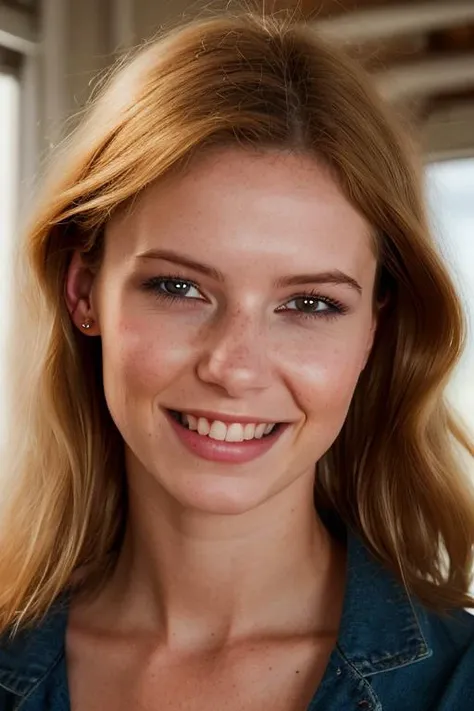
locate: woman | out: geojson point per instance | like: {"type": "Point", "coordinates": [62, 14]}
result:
{"type": "Point", "coordinates": [233, 479]}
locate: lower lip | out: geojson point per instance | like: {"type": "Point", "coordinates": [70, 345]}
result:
{"type": "Point", "coordinates": [217, 451]}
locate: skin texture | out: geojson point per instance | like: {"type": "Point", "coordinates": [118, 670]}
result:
{"type": "Point", "coordinates": [209, 543]}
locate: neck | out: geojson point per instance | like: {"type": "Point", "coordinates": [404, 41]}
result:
{"type": "Point", "coordinates": [197, 578]}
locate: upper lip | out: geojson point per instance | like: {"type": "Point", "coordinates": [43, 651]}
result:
{"type": "Point", "coordinates": [221, 417]}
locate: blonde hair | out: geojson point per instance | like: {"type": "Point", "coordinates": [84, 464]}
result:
{"type": "Point", "coordinates": [395, 474]}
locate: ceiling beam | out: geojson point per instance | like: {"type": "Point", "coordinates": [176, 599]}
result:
{"type": "Point", "coordinates": [391, 21]}
{"type": "Point", "coordinates": [448, 133]}
{"type": "Point", "coordinates": [428, 76]}
{"type": "Point", "coordinates": [17, 31]}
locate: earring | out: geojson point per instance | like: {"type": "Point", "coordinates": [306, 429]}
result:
{"type": "Point", "coordinates": [87, 324]}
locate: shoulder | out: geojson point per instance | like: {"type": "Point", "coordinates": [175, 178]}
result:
{"type": "Point", "coordinates": [30, 662]}
{"type": "Point", "coordinates": [399, 647]}
{"type": "Point", "coordinates": [451, 639]}
{"type": "Point", "coordinates": [444, 678]}
{"type": "Point", "coordinates": [453, 632]}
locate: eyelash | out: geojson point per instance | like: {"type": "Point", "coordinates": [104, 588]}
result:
{"type": "Point", "coordinates": [336, 308]}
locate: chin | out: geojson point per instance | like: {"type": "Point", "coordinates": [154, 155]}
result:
{"type": "Point", "coordinates": [226, 499]}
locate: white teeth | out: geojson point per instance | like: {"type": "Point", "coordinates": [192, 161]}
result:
{"type": "Point", "coordinates": [249, 431]}
{"type": "Point", "coordinates": [259, 430]}
{"type": "Point", "coordinates": [218, 430]}
{"type": "Point", "coordinates": [234, 432]}
{"type": "Point", "coordinates": [191, 421]}
{"type": "Point", "coordinates": [203, 426]}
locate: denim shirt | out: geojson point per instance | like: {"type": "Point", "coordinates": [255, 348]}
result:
{"type": "Point", "coordinates": [391, 653]}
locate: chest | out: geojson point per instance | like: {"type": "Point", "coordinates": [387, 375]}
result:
{"type": "Point", "coordinates": [279, 676]}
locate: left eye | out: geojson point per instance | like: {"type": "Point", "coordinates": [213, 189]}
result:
{"type": "Point", "coordinates": [308, 305]}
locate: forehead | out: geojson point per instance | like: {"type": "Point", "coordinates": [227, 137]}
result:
{"type": "Point", "coordinates": [232, 204]}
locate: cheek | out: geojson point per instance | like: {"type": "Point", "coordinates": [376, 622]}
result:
{"type": "Point", "coordinates": [142, 354]}
{"type": "Point", "coordinates": [323, 374]}
{"type": "Point", "coordinates": [329, 384]}
{"type": "Point", "coordinates": [323, 387]}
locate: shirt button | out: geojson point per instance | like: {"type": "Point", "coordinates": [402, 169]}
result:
{"type": "Point", "coordinates": [338, 671]}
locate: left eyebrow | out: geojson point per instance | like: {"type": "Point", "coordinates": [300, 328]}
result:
{"type": "Point", "coordinates": [332, 277]}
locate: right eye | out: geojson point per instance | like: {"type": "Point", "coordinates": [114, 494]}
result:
{"type": "Point", "coordinates": [172, 288]}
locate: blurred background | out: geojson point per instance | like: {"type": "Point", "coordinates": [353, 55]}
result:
{"type": "Point", "coordinates": [421, 53]}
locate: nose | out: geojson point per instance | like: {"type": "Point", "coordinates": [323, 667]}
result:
{"type": "Point", "coordinates": [235, 357]}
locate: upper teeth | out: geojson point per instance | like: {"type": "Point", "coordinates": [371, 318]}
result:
{"type": "Point", "coordinates": [231, 432]}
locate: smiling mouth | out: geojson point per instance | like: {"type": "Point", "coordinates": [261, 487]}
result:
{"type": "Point", "coordinates": [225, 431]}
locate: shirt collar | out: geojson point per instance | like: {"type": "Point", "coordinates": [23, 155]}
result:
{"type": "Point", "coordinates": [381, 628]}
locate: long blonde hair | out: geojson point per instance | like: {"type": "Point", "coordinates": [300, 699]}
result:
{"type": "Point", "coordinates": [395, 474]}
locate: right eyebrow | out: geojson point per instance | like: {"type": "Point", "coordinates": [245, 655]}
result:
{"type": "Point", "coordinates": [176, 258]}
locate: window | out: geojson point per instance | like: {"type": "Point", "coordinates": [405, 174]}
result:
{"type": "Point", "coordinates": [451, 196]}
{"type": "Point", "coordinates": [9, 141]}
{"type": "Point", "coordinates": [9, 180]}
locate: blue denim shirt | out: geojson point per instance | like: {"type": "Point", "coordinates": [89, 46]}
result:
{"type": "Point", "coordinates": [391, 653]}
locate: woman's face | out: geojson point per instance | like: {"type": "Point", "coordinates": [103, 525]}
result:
{"type": "Point", "coordinates": [236, 294]}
